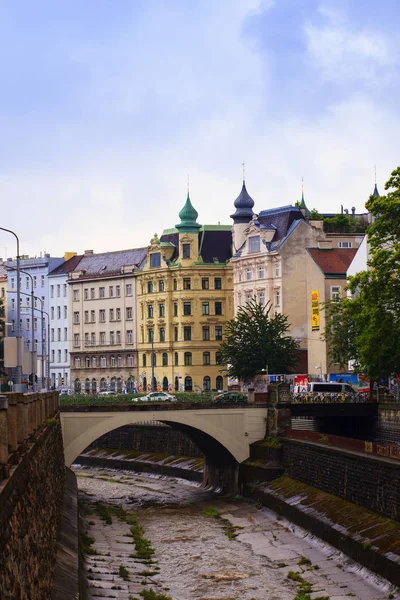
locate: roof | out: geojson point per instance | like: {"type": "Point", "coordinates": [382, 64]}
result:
{"type": "Point", "coordinates": [188, 216]}
{"type": "Point", "coordinates": [282, 219]}
{"type": "Point", "coordinates": [110, 263]}
{"type": "Point", "coordinates": [3, 271]}
{"type": "Point", "coordinates": [215, 243]}
{"type": "Point", "coordinates": [333, 261]}
{"type": "Point", "coordinates": [67, 266]}
{"type": "Point", "coordinates": [244, 206]}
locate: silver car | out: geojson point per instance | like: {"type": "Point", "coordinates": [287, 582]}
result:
{"type": "Point", "coordinates": [156, 397]}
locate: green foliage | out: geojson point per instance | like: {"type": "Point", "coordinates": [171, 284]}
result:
{"type": "Point", "coordinates": [366, 327]}
{"type": "Point", "coordinates": [123, 572]}
{"type": "Point", "coordinates": [254, 339]}
{"type": "Point", "coordinates": [211, 511]}
{"type": "Point", "coordinates": [315, 215]}
{"type": "Point", "coordinates": [143, 546]}
{"type": "Point", "coordinates": [342, 223]}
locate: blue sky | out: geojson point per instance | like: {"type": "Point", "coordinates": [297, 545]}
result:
{"type": "Point", "coordinates": [107, 105]}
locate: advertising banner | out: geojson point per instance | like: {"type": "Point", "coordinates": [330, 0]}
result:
{"type": "Point", "coordinates": [315, 316]}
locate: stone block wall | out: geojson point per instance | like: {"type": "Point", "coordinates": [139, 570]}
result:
{"type": "Point", "coordinates": [371, 482]}
{"type": "Point", "coordinates": [149, 438]}
{"type": "Point", "coordinates": [30, 510]}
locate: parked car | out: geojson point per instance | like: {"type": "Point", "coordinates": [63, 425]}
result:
{"type": "Point", "coordinates": [230, 397]}
{"type": "Point", "coordinates": [107, 393]}
{"type": "Point", "coordinates": [156, 397]}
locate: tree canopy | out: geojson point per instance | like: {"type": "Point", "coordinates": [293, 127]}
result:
{"type": "Point", "coordinates": [366, 326]}
{"type": "Point", "coordinates": [255, 340]}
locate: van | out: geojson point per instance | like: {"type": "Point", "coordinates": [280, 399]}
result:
{"type": "Point", "coordinates": [331, 387]}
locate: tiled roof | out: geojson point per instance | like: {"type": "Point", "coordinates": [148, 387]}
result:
{"type": "Point", "coordinates": [281, 218]}
{"type": "Point", "coordinates": [67, 266]}
{"type": "Point", "coordinates": [333, 261]}
{"type": "Point", "coordinates": [110, 263]}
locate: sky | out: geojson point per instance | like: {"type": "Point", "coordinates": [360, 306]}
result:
{"type": "Point", "coordinates": [107, 106]}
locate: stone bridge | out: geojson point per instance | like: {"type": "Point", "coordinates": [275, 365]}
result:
{"type": "Point", "coordinates": [222, 433]}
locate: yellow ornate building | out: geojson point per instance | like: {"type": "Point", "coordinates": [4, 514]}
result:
{"type": "Point", "coordinates": [185, 296]}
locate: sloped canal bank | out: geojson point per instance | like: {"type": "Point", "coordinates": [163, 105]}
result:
{"type": "Point", "coordinates": [202, 546]}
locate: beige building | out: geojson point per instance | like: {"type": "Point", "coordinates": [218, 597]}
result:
{"type": "Point", "coordinates": [270, 263]}
{"type": "Point", "coordinates": [185, 296]}
{"type": "Point", "coordinates": [103, 321]}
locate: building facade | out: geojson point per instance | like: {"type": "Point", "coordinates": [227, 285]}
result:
{"type": "Point", "coordinates": [185, 297]}
{"type": "Point", "coordinates": [103, 321]}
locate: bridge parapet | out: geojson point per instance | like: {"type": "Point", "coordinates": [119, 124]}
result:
{"type": "Point", "coordinates": [21, 417]}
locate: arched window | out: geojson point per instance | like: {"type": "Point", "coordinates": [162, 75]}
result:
{"type": "Point", "coordinates": [177, 384]}
{"type": "Point", "coordinates": [77, 385]}
{"type": "Point", "coordinates": [206, 358]}
{"type": "Point", "coordinates": [77, 362]}
{"type": "Point", "coordinates": [145, 384]}
{"type": "Point", "coordinates": [188, 384]}
{"type": "Point", "coordinates": [119, 384]}
{"type": "Point", "coordinates": [103, 384]}
{"type": "Point", "coordinates": [176, 359]}
{"type": "Point", "coordinates": [94, 386]}
{"type": "Point", "coordinates": [94, 362]}
{"type": "Point", "coordinates": [188, 358]}
{"type": "Point", "coordinates": [112, 361]}
{"type": "Point", "coordinates": [165, 359]}
{"type": "Point", "coordinates": [87, 362]}
{"type": "Point", "coordinates": [206, 384]}
{"type": "Point", "coordinates": [219, 383]}
{"type": "Point", "coordinates": [87, 385]}
{"type": "Point", "coordinates": [144, 360]}
{"type": "Point", "coordinates": [129, 360]}
{"type": "Point", "coordinates": [165, 384]}
{"type": "Point", "coordinates": [112, 384]}
{"type": "Point", "coordinates": [119, 360]}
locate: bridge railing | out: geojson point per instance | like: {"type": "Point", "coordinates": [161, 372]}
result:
{"type": "Point", "coordinates": [22, 416]}
{"type": "Point", "coordinates": [329, 398]}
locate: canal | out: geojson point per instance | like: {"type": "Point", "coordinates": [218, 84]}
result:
{"type": "Point", "coordinates": [159, 538]}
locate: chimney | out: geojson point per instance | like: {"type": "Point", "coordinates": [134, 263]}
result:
{"type": "Point", "coordinates": [353, 212]}
{"type": "Point", "coordinates": [87, 252]}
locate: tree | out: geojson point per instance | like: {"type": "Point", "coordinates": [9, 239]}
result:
{"type": "Point", "coordinates": [255, 340]}
{"type": "Point", "coordinates": [315, 215]}
{"type": "Point", "coordinates": [366, 327]}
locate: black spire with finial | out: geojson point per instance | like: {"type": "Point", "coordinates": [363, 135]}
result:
{"type": "Point", "coordinates": [243, 204]}
{"type": "Point", "coordinates": [376, 194]}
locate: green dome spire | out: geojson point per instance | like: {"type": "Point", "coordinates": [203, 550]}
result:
{"type": "Point", "coordinates": [188, 217]}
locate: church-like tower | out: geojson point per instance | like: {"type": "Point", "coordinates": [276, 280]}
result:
{"type": "Point", "coordinates": [241, 217]}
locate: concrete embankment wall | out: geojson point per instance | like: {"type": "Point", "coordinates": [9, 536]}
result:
{"type": "Point", "coordinates": [30, 513]}
{"type": "Point", "coordinates": [371, 482]}
{"type": "Point", "coordinates": [149, 438]}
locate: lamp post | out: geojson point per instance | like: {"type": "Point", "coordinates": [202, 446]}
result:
{"type": "Point", "coordinates": [152, 361]}
{"type": "Point", "coordinates": [19, 364]}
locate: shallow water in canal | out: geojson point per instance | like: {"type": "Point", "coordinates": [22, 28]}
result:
{"type": "Point", "coordinates": [206, 547]}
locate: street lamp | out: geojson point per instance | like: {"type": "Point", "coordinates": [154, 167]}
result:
{"type": "Point", "coordinates": [19, 364]}
{"type": "Point", "coordinates": [152, 361]}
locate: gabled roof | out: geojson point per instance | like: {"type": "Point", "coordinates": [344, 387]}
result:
{"type": "Point", "coordinates": [215, 242]}
{"type": "Point", "coordinates": [333, 261]}
{"type": "Point", "coordinates": [281, 218]}
{"type": "Point", "coordinates": [110, 263]}
{"type": "Point", "coordinates": [67, 266]}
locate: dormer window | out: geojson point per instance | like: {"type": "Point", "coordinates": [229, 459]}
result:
{"type": "Point", "coordinates": [186, 250]}
{"type": "Point", "coordinates": [254, 243]}
{"type": "Point", "coordinates": [155, 260]}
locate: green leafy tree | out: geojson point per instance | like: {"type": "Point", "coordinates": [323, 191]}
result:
{"type": "Point", "coordinates": [254, 340]}
{"type": "Point", "coordinates": [315, 215]}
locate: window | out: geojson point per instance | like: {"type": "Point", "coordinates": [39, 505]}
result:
{"type": "Point", "coordinates": [102, 315]}
{"type": "Point", "coordinates": [36, 344]}
{"type": "Point", "coordinates": [218, 358]}
{"type": "Point", "coordinates": [52, 335]}
{"type": "Point", "coordinates": [175, 284]}
{"type": "Point", "coordinates": [155, 260]}
{"type": "Point", "coordinates": [188, 358]}
{"type": "Point", "coordinates": [150, 335]}
{"type": "Point", "coordinates": [186, 250]}
{"type": "Point", "coordinates": [336, 292]}
{"type": "Point", "coordinates": [128, 289]}
{"type": "Point", "coordinates": [161, 285]}
{"type": "Point", "coordinates": [87, 362]}
{"type": "Point", "coordinates": [345, 244]}
{"type": "Point", "coordinates": [92, 293]}
{"type": "Point", "coordinates": [249, 274]}
{"type": "Point", "coordinates": [118, 291]}
{"type": "Point", "coordinates": [65, 290]}
{"type": "Point", "coordinates": [218, 332]}
{"type": "Point", "coordinates": [102, 292]}
{"type": "Point", "coordinates": [205, 283]}
{"type": "Point", "coordinates": [149, 311]}
{"type": "Point", "coordinates": [93, 339]}
{"type": "Point", "coordinates": [58, 290]}
{"type": "Point", "coordinates": [176, 358]}
{"type": "Point", "coordinates": [111, 291]}
{"type": "Point", "coordinates": [28, 301]}
{"type": "Point", "coordinates": [59, 356]}
{"type": "Point", "coordinates": [149, 287]}
{"type": "Point", "coordinates": [162, 334]}
{"type": "Point", "coordinates": [65, 312]}
{"type": "Point", "coordinates": [187, 333]}
{"type": "Point", "coordinates": [206, 358]}
{"type": "Point", "coordinates": [218, 308]}
{"type": "Point", "coordinates": [52, 356]}
{"type": "Point", "coordinates": [12, 283]}
{"type": "Point", "coordinates": [261, 272]}
{"type": "Point", "coordinates": [28, 344]}
{"type": "Point", "coordinates": [144, 360]}
{"type": "Point", "coordinates": [277, 270]}
{"type": "Point", "coordinates": [42, 281]}
{"type": "Point", "coordinates": [76, 339]}
{"type": "Point", "coordinates": [59, 334]}
{"type": "Point", "coordinates": [219, 383]}
{"type": "Point", "coordinates": [205, 308]}
{"type": "Point", "coordinates": [51, 289]}
{"type": "Point", "coordinates": [58, 312]}
{"type": "Point", "coordinates": [52, 312]}
{"type": "Point", "coordinates": [77, 363]}
{"type": "Point", "coordinates": [13, 325]}
{"type": "Point", "coordinates": [118, 337]}
{"type": "Point", "coordinates": [76, 295]}
{"type": "Point", "coordinates": [111, 314]}
{"type": "Point", "coordinates": [76, 318]}
{"type": "Point", "coordinates": [165, 359]}
{"type": "Point", "coordinates": [87, 341]}
{"type": "Point", "coordinates": [206, 333]}
{"type": "Point", "coordinates": [175, 309]}
{"type": "Point", "coordinates": [102, 338]}
{"type": "Point", "coordinates": [161, 310]}
{"type": "Point", "coordinates": [261, 298]}
{"type": "Point", "coordinates": [129, 312]}
{"type": "Point", "coordinates": [103, 361]}
{"type": "Point", "coordinates": [249, 298]}
{"type": "Point", "coordinates": [129, 360]}
{"type": "Point", "coordinates": [206, 384]}
{"type": "Point", "coordinates": [28, 324]}
{"type": "Point", "coordinates": [277, 298]}
{"type": "Point", "coordinates": [129, 339]}
{"type": "Point", "coordinates": [65, 334]}
{"type": "Point", "coordinates": [112, 338]}
{"type": "Point", "coordinates": [65, 355]}
{"type": "Point", "coordinates": [13, 304]}
{"type": "Point", "coordinates": [92, 316]}
{"type": "Point", "coordinates": [187, 309]}
{"type": "Point", "coordinates": [176, 334]}
{"type": "Point", "coordinates": [217, 283]}
{"type": "Point", "coordinates": [86, 293]}
{"type": "Point", "coordinates": [186, 283]}
{"type": "Point", "coordinates": [254, 243]}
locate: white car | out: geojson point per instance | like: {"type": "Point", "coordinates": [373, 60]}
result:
{"type": "Point", "coordinates": [156, 397]}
